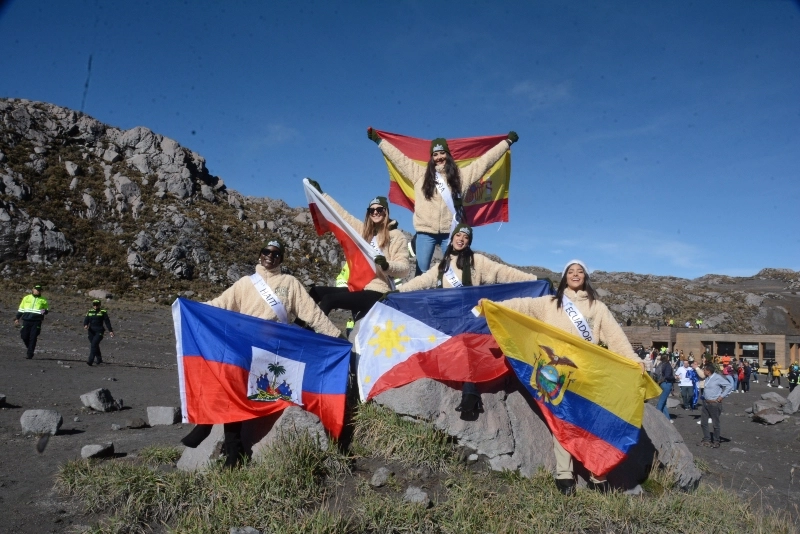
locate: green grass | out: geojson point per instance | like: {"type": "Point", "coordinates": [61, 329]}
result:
{"type": "Point", "coordinates": [299, 488]}
{"type": "Point", "coordinates": [160, 455]}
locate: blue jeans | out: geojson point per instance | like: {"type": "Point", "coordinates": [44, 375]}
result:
{"type": "Point", "coordinates": [666, 389]}
{"type": "Point", "coordinates": [426, 243]}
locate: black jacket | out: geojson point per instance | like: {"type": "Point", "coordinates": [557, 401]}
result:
{"type": "Point", "coordinates": [96, 319]}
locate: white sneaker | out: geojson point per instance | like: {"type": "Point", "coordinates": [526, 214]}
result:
{"type": "Point", "coordinates": [710, 421]}
{"type": "Point", "coordinates": [671, 421]}
{"type": "Point", "coordinates": [780, 387]}
{"type": "Point", "coordinates": [699, 423]}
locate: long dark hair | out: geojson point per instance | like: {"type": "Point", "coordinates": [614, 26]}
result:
{"type": "Point", "coordinates": [450, 172]}
{"type": "Point", "coordinates": [563, 285]}
{"type": "Point", "coordinates": [465, 259]}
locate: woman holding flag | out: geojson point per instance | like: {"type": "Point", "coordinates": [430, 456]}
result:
{"type": "Point", "coordinates": [439, 188]}
{"type": "Point", "coordinates": [391, 258]}
{"type": "Point", "coordinates": [271, 295]}
{"type": "Point", "coordinates": [575, 309]}
{"type": "Point", "coordinates": [461, 267]}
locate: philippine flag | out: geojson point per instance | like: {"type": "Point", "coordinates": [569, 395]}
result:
{"type": "Point", "coordinates": [235, 367]}
{"type": "Point", "coordinates": [357, 252]}
{"type": "Point", "coordinates": [432, 334]}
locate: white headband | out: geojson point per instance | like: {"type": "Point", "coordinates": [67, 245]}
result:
{"type": "Point", "coordinates": [572, 262]}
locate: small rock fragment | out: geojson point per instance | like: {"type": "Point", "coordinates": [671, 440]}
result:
{"type": "Point", "coordinates": [97, 451]}
{"type": "Point", "coordinates": [380, 477]}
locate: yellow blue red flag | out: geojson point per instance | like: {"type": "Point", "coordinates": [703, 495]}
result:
{"type": "Point", "coordinates": [591, 398]}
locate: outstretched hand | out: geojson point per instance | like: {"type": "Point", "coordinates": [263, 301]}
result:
{"type": "Point", "coordinates": [315, 185]}
{"type": "Point", "coordinates": [373, 135]}
{"type": "Point", "coordinates": [513, 137]}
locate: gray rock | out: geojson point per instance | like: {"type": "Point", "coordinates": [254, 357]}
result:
{"type": "Point", "coordinates": [530, 434]}
{"type": "Point", "coordinates": [72, 168]}
{"type": "Point", "coordinates": [761, 405]}
{"type": "Point", "coordinates": [772, 396]}
{"type": "Point", "coordinates": [99, 294]}
{"type": "Point", "coordinates": [97, 451]}
{"type": "Point", "coordinates": [302, 218]}
{"type": "Point", "coordinates": [672, 402]}
{"type": "Point", "coordinates": [111, 156]}
{"type": "Point", "coordinates": [636, 490]}
{"type": "Point", "coordinates": [163, 415]}
{"type": "Point", "coordinates": [792, 402]}
{"type": "Point", "coordinates": [380, 477]}
{"type": "Point", "coordinates": [199, 458]}
{"type": "Point", "coordinates": [136, 422]}
{"type": "Point", "coordinates": [769, 417]}
{"type": "Point", "coordinates": [115, 426]}
{"type": "Point", "coordinates": [260, 434]}
{"type": "Point", "coordinates": [99, 400]}
{"type": "Point", "coordinates": [207, 193]}
{"type": "Point", "coordinates": [654, 310]}
{"type": "Point", "coordinates": [753, 300]}
{"type": "Point", "coordinates": [671, 448]}
{"type": "Point", "coordinates": [416, 495]}
{"type": "Point", "coordinates": [41, 422]}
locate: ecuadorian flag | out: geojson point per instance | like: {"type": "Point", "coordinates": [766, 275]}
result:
{"type": "Point", "coordinates": [592, 399]}
{"type": "Point", "coordinates": [485, 202]}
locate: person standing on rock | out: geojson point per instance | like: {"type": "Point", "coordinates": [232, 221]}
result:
{"type": "Point", "coordinates": [391, 258]}
{"type": "Point", "coordinates": [461, 267]}
{"type": "Point", "coordinates": [31, 312]}
{"type": "Point", "coordinates": [576, 293]}
{"type": "Point", "coordinates": [717, 388]}
{"type": "Point", "coordinates": [439, 189]}
{"type": "Point", "coordinates": [273, 296]}
{"type": "Point", "coordinates": [95, 323]}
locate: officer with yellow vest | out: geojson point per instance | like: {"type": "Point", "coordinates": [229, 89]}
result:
{"type": "Point", "coordinates": [31, 311]}
{"type": "Point", "coordinates": [95, 324]}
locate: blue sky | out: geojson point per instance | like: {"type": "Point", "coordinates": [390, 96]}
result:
{"type": "Point", "coordinates": [655, 137]}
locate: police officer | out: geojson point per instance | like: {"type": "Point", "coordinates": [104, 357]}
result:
{"type": "Point", "coordinates": [94, 323]}
{"type": "Point", "coordinates": [32, 310]}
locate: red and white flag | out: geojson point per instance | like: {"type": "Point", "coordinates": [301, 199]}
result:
{"type": "Point", "coordinates": [357, 252]}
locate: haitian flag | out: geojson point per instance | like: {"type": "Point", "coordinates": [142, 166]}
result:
{"type": "Point", "coordinates": [357, 252]}
{"type": "Point", "coordinates": [485, 202]}
{"type": "Point", "coordinates": [591, 398]}
{"type": "Point", "coordinates": [235, 367]}
{"type": "Point", "coordinates": [432, 334]}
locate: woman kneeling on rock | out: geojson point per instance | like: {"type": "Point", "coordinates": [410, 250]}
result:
{"type": "Point", "coordinates": [271, 295]}
{"type": "Point", "coordinates": [575, 292]}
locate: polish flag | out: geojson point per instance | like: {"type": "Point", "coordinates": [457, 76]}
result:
{"type": "Point", "coordinates": [357, 252]}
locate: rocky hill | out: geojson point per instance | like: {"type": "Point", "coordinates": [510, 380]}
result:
{"type": "Point", "coordinates": [84, 205]}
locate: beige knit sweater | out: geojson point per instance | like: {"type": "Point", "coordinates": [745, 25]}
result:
{"type": "Point", "coordinates": [396, 255]}
{"type": "Point", "coordinates": [604, 326]}
{"type": "Point", "coordinates": [432, 216]}
{"type": "Point", "coordinates": [485, 272]}
{"type": "Point", "coordinates": [243, 297]}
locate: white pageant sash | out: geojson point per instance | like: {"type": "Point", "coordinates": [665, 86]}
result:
{"type": "Point", "coordinates": [270, 297]}
{"type": "Point", "coordinates": [577, 318]}
{"type": "Point", "coordinates": [452, 278]}
{"type": "Point", "coordinates": [375, 247]}
{"type": "Point", "coordinates": [447, 196]}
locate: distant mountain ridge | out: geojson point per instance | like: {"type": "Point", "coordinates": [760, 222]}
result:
{"type": "Point", "coordinates": [86, 205]}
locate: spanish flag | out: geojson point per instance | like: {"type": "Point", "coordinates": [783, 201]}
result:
{"type": "Point", "coordinates": [591, 398]}
{"type": "Point", "coordinates": [485, 202]}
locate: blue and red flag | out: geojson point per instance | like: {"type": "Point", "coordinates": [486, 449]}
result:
{"type": "Point", "coordinates": [433, 334]}
{"type": "Point", "coordinates": [235, 367]}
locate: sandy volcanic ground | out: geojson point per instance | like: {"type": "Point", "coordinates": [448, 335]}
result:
{"type": "Point", "coordinates": [756, 462]}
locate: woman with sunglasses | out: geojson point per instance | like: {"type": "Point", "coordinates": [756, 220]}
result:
{"type": "Point", "coordinates": [576, 294]}
{"type": "Point", "coordinates": [438, 189]}
{"type": "Point", "coordinates": [273, 296]}
{"type": "Point", "coordinates": [391, 258]}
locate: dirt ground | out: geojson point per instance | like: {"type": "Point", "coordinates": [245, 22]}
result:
{"type": "Point", "coordinates": [756, 461]}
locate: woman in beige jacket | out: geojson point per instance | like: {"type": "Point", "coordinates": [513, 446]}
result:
{"type": "Point", "coordinates": [575, 287]}
{"type": "Point", "coordinates": [391, 260]}
{"type": "Point", "coordinates": [462, 267]}
{"type": "Point", "coordinates": [243, 297]}
{"type": "Point", "coordinates": [433, 218]}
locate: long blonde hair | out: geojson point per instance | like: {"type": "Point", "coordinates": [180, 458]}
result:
{"type": "Point", "coordinates": [381, 230]}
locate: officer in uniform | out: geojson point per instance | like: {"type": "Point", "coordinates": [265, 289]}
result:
{"type": "Point", "coordinates": [94, 322]}
{"type": "Point", "coordinates": [32, 310]}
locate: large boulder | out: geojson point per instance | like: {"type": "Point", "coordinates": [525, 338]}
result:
{"type": "Point", "coordinates": [775, 397]}
{"type": "Point", "coordinates": [163, 415]}
{"type": "Point", "coordinates": [41, 422]}
{"type": "Point", "coordinates": [792, 402]}
{"type": "Point", "coordinates": [99, 400]}
{"type": "Point", "coordinates": [511, 433]}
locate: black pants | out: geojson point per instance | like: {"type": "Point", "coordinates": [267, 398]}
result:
{"type": "Point", "coordinates": [341, 298]}
{"type": "Point", "coordinates": [29, 334]}
{"type": "Point", "coordinates": [744, 385]}
{"type": "Point", "coordinates": [710, 410]}
{"type": "Point", "coordinates": [94, 346]}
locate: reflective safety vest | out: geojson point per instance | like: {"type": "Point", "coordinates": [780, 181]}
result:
{"type": "Point", "coordinates": [32, 308]}
{"type": "Point", "coordinates": [351, 324]}
{"type": "Point", "coordinates": [343, 276]}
